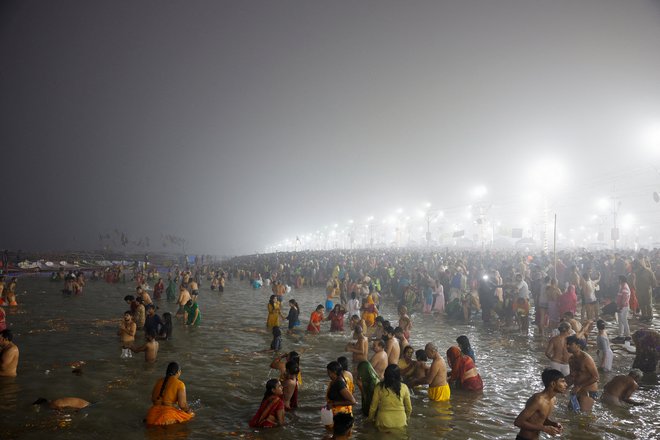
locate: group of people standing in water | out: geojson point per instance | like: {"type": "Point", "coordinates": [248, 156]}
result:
{"type": "Point", "coordinates": [590, 283]}
{"type": "Point", "coordinates": [382, 365]}
{"type": "Point", "coordinates": [379, 361]}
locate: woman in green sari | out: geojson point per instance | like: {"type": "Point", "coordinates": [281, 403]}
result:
{"type": "Point", "coordinates": [367, 381]}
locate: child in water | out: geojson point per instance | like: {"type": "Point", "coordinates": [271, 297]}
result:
{"type": "Point", "coordinates": [276, 344]}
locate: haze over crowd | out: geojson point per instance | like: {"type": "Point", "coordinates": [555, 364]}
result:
{"type": "Point", "coordinates": [229, 127]}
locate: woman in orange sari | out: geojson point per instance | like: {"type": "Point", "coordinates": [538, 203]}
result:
{"type": "Point", "coordinates": [463, 371]}
{"type": "Point", "coordinates": [271, 411]}
{"type": "Point", "coordinates": [169, 399]}
{"type": "Point", "coordinates": [315, 319]}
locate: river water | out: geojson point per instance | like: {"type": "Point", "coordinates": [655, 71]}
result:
{"type": "Point", "coordinates": [225, 368]}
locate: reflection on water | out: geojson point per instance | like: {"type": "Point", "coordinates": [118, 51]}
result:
{"type": "Point", "coordinates": [225, 365]}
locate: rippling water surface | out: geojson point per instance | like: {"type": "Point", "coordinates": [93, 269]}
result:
{"type": "Point", "coordinates": [225, 367]}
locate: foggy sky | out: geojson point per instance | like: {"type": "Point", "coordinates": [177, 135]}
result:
{"type": "Point", "coordinates": [233, 124]}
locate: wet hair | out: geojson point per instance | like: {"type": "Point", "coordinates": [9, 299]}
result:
{"type": "Point", "coordinates": [270, 386]}
{"type": "Point", "coordinates": [319, 307]}
{"type": "Point", "coordinates": [150, 334]}
{"type": "Point", "coordinates": [420, 355]}
{"type": "Point", "coordinates": [292, 367]}
{"type": "Point", "coordinates": [564, 326]}
{"type": "Point", "coordinates": [600, 324]}
{"type": "Point", "coordinates": [550, 375]}
{"type": "Point", "coordinates": [392, 379]}
{"type": "Point", "coordinates": [398, 331]}
{"type": "Point", "coordinates": [294, 356]}
{"type": "Point", "coordinates": [335, 367]}
{"type": "Point", "coordinates": [129, 298]}
{"type": "Point", "coordinates": [380, 343]}
{"type": "Point", "coordinates": [464, 343]}
{"type": "Point", "coordinates": [341, 423]}
{"type": "Point", "coordinates": [379, 319]}
{"type": "Point", "coordinates": [389, 330]}
{"type": "Point", "coordinates": [166, 329]}
{"type": "Point", "coordinates": [272, 299]}
{"type": "Point", "coordinates": [623, 279]}
{"type": "Point", "coordinates": [343, 361]}
{"type": "Point", "coordinates": [573, 340]}
{"type": "Point", "coordinates": [172, 369]}
{"type": "Point", "coordinates": [386, 323]}
{"type": "Point", "coordinates": [294, 303]}
{"type": "Point", "coordinates": [352, 297]}
{"type": "Point", "coordinates": [276, 331]}
{"type": "Point", "coordinates": [7, 334]}
{"type": "Point", "coordinates": [128, 312]}
{"type": "Point", "coordinates": [40, 401]}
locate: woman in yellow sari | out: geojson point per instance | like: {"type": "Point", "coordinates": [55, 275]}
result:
{"type": "Point", "coordinates": [169, 399]}
{"type": "Point", "coordinates": [369, 311]}
{"type": "Point", "coordinates": [274, 313]}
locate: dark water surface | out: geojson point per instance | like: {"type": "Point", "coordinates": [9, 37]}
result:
{"type": "Point", "coordinates": [225, 368]}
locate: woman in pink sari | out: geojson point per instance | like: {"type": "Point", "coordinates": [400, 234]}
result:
{"type": "Point", "coordinates": [568, 301]}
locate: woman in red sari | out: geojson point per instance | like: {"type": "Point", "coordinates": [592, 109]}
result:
{"type": "Point", "coordinates": [336, 318]}
{"type": "Point", "coordinates": [271, 411]}
{"type": "Point", "coordinates": [463, 371]}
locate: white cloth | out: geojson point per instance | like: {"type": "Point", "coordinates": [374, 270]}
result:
{"type": "Point", "coordinates": [622, 317]}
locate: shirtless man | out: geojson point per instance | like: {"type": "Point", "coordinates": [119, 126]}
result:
{"type": "Point", "coordinates": [184, 297]}
{"type": "Point", "coordinates": [126, 332]}
{"type": "Point", "coordinates": [618, 391]}
{"type": "Point", "coordinates": [359, 348]}
{"type": "Point", "coordinates": [356, 321]}
{"type": "Point", "coordinates": [403, 341]}
{"type": "Point", "coordinates": [150, 348]}
{"type": "Point", "coordinates": [556, 350]}
{"type": "Point", "coordinates": [407, 364]}
{"type": "Point", "coordinates": [379, 358]}
{"type": "Point", "coordinates": [63, 403]}
{"type": "Point", "coordinates": [574, 323]}
{"type": "Point", "coordinates": [436, 376]}
{"type": "Point", "coordinates": [421, 367]}
{"type": "Point", "coordinates": [8, 354]}
{"type": "Point", "coordinates": [535, 418]}
{"type": "Point", "coordinates": [194, 289]}
{"type": "Point", "coordinates": [584, 374]}
{"type": "Point", "coordinates": [141, 293]}
{"type": "Point", "coordinates": [391, 346]}
{"type": "Point", "coordinates": [404, 321]}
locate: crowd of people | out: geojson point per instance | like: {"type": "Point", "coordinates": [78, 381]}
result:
{"type": "Point", "coordinates": [564, 297]}
{"type": "Point", "coordinates": [500, 287]}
